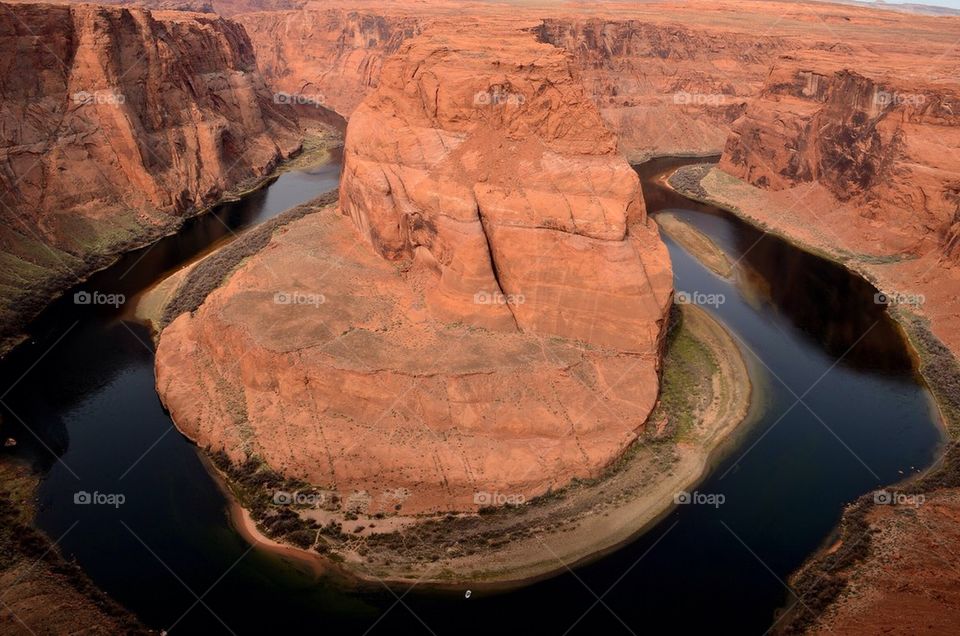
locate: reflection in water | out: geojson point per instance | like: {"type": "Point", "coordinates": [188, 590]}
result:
{"type": "Point", "coordinates": [701, 568]}
{"type": "Point", "coordinates": [834, 309]}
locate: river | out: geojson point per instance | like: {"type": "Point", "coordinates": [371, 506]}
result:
{"type": "Point", "coordinates": [85, 387]}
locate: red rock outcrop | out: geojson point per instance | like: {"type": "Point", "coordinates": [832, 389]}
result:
{"type": "Point", "coordinates": [881, 144]}
{"type": "Point", "coordinates": [499, 170]}
{"type": "Point", "coordinates": [330, 56]}
{"type": "Point", "coordinates": [666, 88]}
{"type": "Point", "coordinates": [115, 124]}
{"type": "Point", "coordinates": [497, 328]}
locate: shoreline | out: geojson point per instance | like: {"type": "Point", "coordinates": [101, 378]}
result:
{"type": "Point", "coordinates": [95, 263]}
{"type": "Point", "coordinates": [827, 574]}
{"type": "Point", "coordinates": [696, 243]}
{"type": "Point", "coordinates": [37, 580]}
{"type": "Point", "coordinates": [587, 535]}
{"type": "Point", "coordinates": [902, 319]}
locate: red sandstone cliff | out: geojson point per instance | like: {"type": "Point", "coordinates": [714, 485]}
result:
{"type": "Point", "coordinates": [115, 124]}
{"type": "Point", "coordinates": [666, 88]}
{"type": "Point", "coordinates": [882, 145]}
{"type": "Point", "coordinates": [857, 159]}
{"type": "Point", "coordinates": [497, 327]}
{"type": "Point", "coordinates": [332, 56]}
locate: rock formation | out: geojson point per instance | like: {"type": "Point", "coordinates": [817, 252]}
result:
{"type": "Point", "coordinates": [115, 124]}
{"type": "Point", "coordinates": [882, 146]}
{"type": "Point", "coordinates": [482, 320]}
{"type": "Point", "coordinates": [332, 56]}
{"type": "Point", "coordinates": [665, 88]}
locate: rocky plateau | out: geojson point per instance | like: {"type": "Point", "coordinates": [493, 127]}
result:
{"type": "Point", "coordinates": [493, 296]}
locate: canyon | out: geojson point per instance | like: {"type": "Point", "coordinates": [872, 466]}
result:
{"type": "Point", "coordinates": [129, 122]}
{"type": "Point", "coordinates": [468, 281]}
{"type": "Point", "coordinates": [860, 165]}
{"type": "Point", "coordinates": [481, 317]}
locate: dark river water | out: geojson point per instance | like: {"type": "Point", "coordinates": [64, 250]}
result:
{"type": "Point", "coordinates": [85, 387]}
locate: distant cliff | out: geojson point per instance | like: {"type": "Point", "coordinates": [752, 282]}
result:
{"type": "Point", "coordinates": [879, 143]}
{"type": "Point", "coordinates": [332, 57]}
{"type": "Point", "coordinates": [665, 88]}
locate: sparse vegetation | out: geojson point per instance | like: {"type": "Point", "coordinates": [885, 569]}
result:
{"type": "Point", "coordinates": [213, 270]}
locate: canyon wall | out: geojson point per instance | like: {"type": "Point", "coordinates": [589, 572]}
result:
{"type": "Point", "coordinates": [332, 57]}
{"type": "Point", "coordinates": [661, 88]}
{"type": "Point", "coordinates": [115, 124]}
{"type": "Point", "coordinates": [884, 147]}
{"type": "Point", "coordinates": [480, 321]}
{"type": "Point", "coordinates": [665, 88]}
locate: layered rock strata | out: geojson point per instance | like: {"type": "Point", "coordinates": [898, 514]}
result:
{"type": "Point", "coordinates": [480, 323]}
{"type": "Point", "coordinates": [126, 122]}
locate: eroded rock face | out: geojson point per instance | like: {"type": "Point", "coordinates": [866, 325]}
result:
{"type": "Point", "coordinates": [493, 297]}
{"type": "Point", "coordinates": [882, 146]}
{"type": "Point", "coordinates": [666, 88]}
{"type": "Point", "coordinates": [114, 123]}
{"type": "Point", "coordinates": [496, 169]}
{"type": "Point", "coordinates": [329, 56]}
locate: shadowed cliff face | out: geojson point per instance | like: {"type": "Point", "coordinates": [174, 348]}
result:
{"type": "Point", "coordinates": [114, 123]}
{"type": "Point", "coordinates": [494, 296]}
{"type": "Point", "coordinates": [880, 144]}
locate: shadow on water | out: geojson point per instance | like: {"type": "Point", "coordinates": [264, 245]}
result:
{"type": "Point", "coordinates": [863, 419]}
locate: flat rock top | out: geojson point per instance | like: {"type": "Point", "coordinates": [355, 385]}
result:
{"type": "Point", "coordinates": [322, 293]}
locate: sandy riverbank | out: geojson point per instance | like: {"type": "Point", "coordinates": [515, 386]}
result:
{"type": "Point", "coordinates": [706, 396]}
{"type": "Point", "coordinates": [697, 243]}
